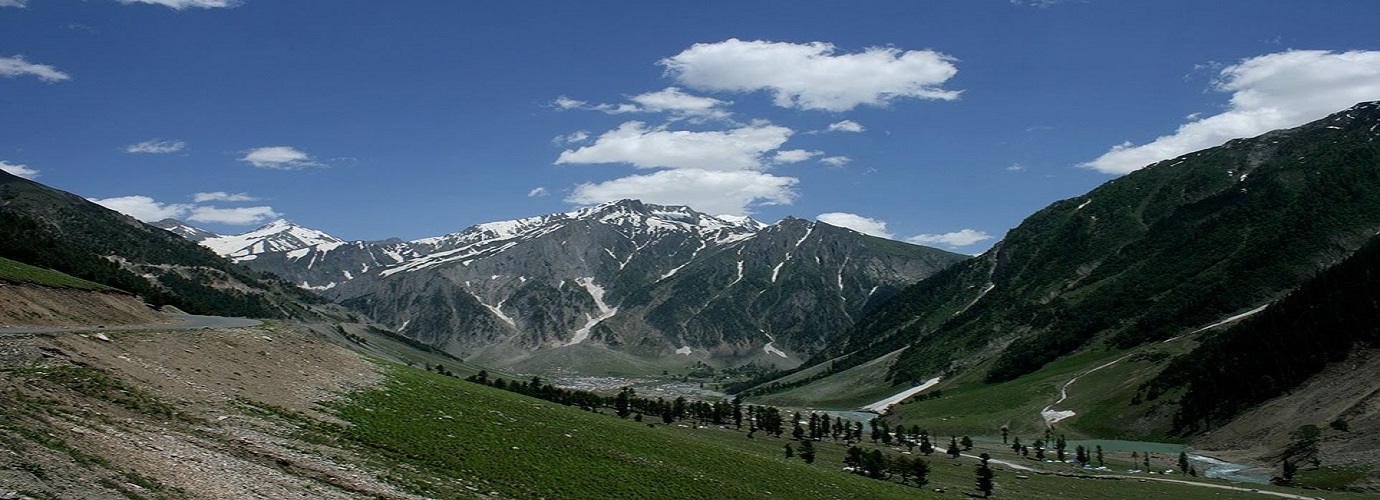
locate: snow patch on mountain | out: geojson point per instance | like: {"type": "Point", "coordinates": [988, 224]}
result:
{"type": "Point", "coordinates": [605, 312]}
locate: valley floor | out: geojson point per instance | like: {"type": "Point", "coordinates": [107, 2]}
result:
{"type": "Point", "coordinates": [272, 411]}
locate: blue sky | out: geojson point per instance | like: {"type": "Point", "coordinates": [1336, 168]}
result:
{"type": "Point", "coordinates": [942, 123]}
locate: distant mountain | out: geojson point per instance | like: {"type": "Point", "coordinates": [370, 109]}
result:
{"type": "Point", "coordinates": [644, 279]}
{"type": "Point", "coordinates": [1157, 253]}
{"type": "Point", "coordinates": [53, 229]}
{"type": "Point", "coordinates": [182, 229]}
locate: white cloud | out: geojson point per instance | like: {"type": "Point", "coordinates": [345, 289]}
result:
{"type": "Point", "coordinates": [1038, 3]}
{"type": "Point", "coordinates": [836, 161]}
{"type": "Point", "coordinates": [961, 238]}
{"type": "Point", "coordinates": [280, 157]}
{"type": "Point", "coordinates": [14, 66]}
{"type": "Point", "coordinates": [538, 192]}
{"type": "Point", "coordinates": [865, 225]}
{"type": "Point", "coordinates": [565, 103]}
{"type": "Point", "coordinates": [846, 126]}
{"type": "Point", "coordinates": [1015, 167]}
{"type": "Point", "coordinates": [144, 208]}
{"type": "Point", "coordinates": [156, 146]}
{"type": "Point", "coordinates": [18, 170]}
{"type": "Point", "coordinates": [715, 192]}
{"type": "Point", "coordinates": [222, 196]}
{"type": "Point", "coordinates": [811, 76]}
{"type": "Point", "coordinates": [672, 100]}
{"type": "Point", "coordinates": [794, 155]}
{"type": "Point", "coordinates": [239, 216]}
{"type": "Point", "coordinates": [1273, 91]}
{"type": "Point", "coordinates": [636, 144]}
{"type": "Point", "coordinates": [147, 209]}
{"type": "Point", "coordinates": [575, 137]}
{"type": "Point", "coordinates": [681, 105]}
{"type": "Point", "coordinates": [14, 3]}
{"type": "Point", "coordinates": [183, 4]}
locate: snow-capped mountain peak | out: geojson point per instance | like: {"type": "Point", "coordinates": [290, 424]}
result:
{"type": "Point", "coordinates": [278, 236]}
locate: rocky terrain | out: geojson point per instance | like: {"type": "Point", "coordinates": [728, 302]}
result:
{"type": "Point", "coordinates": [204, 413]}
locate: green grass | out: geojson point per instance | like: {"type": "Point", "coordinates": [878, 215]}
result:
{"type": "Point", "coordinates": [443, 437]}
{"type": "Point", "coordinates": [518, 446]}
{"type": "Point", "coordinates": [1330, 478]}
{"type": "Point", "coordinates": [845, 390]}
{"type": "Point", "coordinates": [18, 272]}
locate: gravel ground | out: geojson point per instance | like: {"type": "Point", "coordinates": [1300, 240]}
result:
{"type": "Point", "coordinates": [84, 440]}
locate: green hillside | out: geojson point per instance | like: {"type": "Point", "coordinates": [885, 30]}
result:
{"type": "Point", "coordinates": [447, 438]}
{"type": "Point", "coordinates": [18, 272]}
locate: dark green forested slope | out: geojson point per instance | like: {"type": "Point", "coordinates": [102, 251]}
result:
{"type": "Point", "coordinates": [57, 230]}
{"type": "Point", "coordinates": [1277, 349]}
{"type": "Point", "coordinates": [1173, 246]}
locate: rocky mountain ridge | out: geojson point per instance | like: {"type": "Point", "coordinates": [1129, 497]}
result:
{"type": "Point", "coordinates": [647, 279]}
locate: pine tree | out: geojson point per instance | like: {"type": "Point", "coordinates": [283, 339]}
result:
{"type": "Point", "coordinates": [1183, 462]}
{"type": "Point", "coordinates": [807, 452]}
{"type": "Point", "coordinates": [853, 458]}
{"type": "Point", "coordinates": [622, 405]}
{"type": "Point", "coordinates": [920, 471]}
{"type": "Point", "coordinates": [876, 464]}
{"type": "Point", "coordinates": [984, 477]}
{"type": "Point", "coordinates": [966, 442]}
{"type": "Point", "coordinates": [954, 452]}
{"type": "Point", "coordinates": [790, 452]}
{"type": "Point", "coordinates": [1100, 463]}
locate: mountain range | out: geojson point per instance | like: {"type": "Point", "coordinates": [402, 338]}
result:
{"type": "Point", "coordinates": [652, 281]}
{"type": "Point", "coordinates": [1218, 296]}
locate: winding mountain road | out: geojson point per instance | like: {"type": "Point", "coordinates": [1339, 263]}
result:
{"type": "Point", "coordinates": [180, 322]}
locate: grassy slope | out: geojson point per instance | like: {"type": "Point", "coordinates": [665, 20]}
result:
{"type": "Point", "coordinates": [447, 438]}
{"type": "Point", "coordinates": [1101, 398]}
{"type": "Point", "coordinates": [848, 389]}
{"type": "Point", "coordinates": [23, 273]}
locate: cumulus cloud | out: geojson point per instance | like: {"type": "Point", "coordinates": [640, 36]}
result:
{"type": "Point", "coordinates": [671, 100]}
{"type": "Point", "coordinates": [148, 209]}
{"type": "Point", "coordinates": [641, 146]}
{"type": "Point", "coordinates": [961, 238]}
{"type": "Point", "coordinates": [845, 126]}
{"type": "Point", "coordinates": [836, 161]}
{"type": "Point", "coordinates": [864, 225]}
{"type": "Point", "coordinates": [538, 192]}
{"type": "Point", "coordinates": [710, 191]}
{"type": "Point", "coordinates": [794, 155]}
{"type": "Point", "coordinates": [575, 137]}
{"type": "Point", "coordinates": [156, 146]}
{"type": "Point", "coordinates": [18, 170]}
{"type": "Point", "coordinates": [1273, 91]}
{"type": "Point", "coordinates": [188, 4]}
{"type": "Point", "coordinates": [14, 3]}
{"type": "Point", "coordinates": [237, 216]}
{"type": "Point", "coordinates": [144, 208]}
{"type": "Point", "coordinates": [222, 196]}
{"type": "Point", "coordinates": [15, 66]}
{"type": "Point", "coordinates": [812, 75]}
{"type": "Point", "coordinates": [280, 158]}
